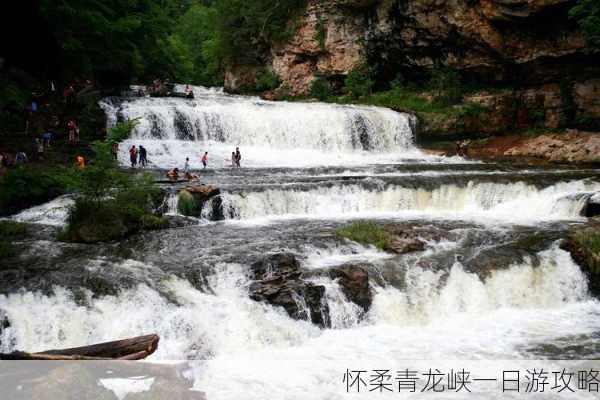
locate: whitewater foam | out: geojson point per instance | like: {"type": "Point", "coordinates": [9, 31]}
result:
{"type": "Point", "coordinates": [287, 134]}
{"type": "Point", "coordinates": [517, 201]}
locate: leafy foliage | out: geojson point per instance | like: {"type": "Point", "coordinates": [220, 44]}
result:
{"type": "Point", "coordinates": [320, 89]}
{"type": "Point", "coordinates": [446, 85]}
{"type": "Point", "coordinates": [587, 14]}
{"type": "Point", "coordinates": [247, 27]}
{"type": "Point", "coordinates": [196, 29]}
{"type": "Point", "coordinates": [358, 82]}
{"type": "Point", "coordinates": [117, 40]}
{"type": "Point", "coordinates": [25, 186]}
{"type": "Point", "coordinates": [266, 80]}
{"type": "Point", "coordinates": [111, 203]}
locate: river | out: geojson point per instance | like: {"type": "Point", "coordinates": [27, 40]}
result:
{"type": "Point", "coordinates": [482, 289]}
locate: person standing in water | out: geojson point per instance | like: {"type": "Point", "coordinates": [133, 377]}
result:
{"type": "Point", "coordinates": [186, 166]}
{"type": "Point", "coordinates": [143, 156]}
{"type": "Point", "coordinates": [205, 159]}
{"type": "Point", "coordinates": [238, 157]}
{"type": "Point", "coordinates": [133, 156]}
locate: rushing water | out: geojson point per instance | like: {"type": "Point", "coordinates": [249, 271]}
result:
{"type": "Point", "coordinates": [481, 290]}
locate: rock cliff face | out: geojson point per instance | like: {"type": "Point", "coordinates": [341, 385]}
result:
{"type": "Point", "coordinates": [530, 45]}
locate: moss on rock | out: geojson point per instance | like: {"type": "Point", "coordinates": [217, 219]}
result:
{"type": "Point", "coordinates": [584, 246]}
{"type": "Point", "coordinates": [187, 205]}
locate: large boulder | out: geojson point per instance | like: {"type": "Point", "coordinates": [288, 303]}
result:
{"type": "Point", "coordinates": [278, 282]}
{"type": "Point", "coordinates": [354, 281]}
{"type": "Point", "coordinates": [571, 146]}
{"type": "Point", "coordinates": [193, 199]}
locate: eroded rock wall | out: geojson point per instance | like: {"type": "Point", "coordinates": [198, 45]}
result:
{"type": "Point", "coordinates": [531, 46]}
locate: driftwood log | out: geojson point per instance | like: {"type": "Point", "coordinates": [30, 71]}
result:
{"type": "Point", "coordinates": [136, 348]}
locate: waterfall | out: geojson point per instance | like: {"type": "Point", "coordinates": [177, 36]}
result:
{"type": "Point", "coordinates": [508, 201]}
{"type": "Point", "coordinates": [269, 133]}
{"type": "Point", "coordinates": [198, 324]}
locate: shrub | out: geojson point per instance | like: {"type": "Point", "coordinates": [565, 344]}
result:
{"type": "Point", "coordinates": [111, 204]}
{"type": "Point", "coordinates": [367, 233]}
{"type": "Point", "coordinates": [91, 221]}
{"type": "Point", "coordinates": [446, 85]}
{"type": "Point", "coordinates": [320, 89]}
{"type": "Point", "coordinates": [152, 222]}
{"type": "Point", "coordinates": [266, 80]}
{"type": "Point", "coordinates": [358, 82]}
{"type": "Point", "coordinates": [27, 186]}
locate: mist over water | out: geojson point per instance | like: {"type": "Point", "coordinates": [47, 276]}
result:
{"type": "Point", "coordinates": [490, 284]}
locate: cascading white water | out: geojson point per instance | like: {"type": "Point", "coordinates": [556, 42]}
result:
{"type": "Point", "coordinates": [269, 133]}
{"type": "Point", "coordinates": [230, 322]}
{"type": "Point", "coordinates": [255, 350]}
{"type": "Point", "coordinates": [507, 201]}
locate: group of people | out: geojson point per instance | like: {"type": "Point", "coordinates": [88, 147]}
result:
{"type": "Point", "coordinates": [236, 158]}
{"type": "Point", "coordinates": [173, 175]}
{"type": "Point", "coordinates": [136, 155]}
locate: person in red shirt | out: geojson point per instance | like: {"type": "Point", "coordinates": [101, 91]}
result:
{"type": "Point", "coordinates": [133, 156]}
{"type": "Point", "coordinates": [205, 159]}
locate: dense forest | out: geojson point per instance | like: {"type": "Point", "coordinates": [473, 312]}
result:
{"type": "Point", "coordinates": [116, 42]}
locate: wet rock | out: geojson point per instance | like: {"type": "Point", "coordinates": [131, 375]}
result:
{"type": "Point", "coordinates": [179, 221]}
{"type": "Point", "coordinates": [193, 199]}
{"type": "Point", "coordinates": [354, 281]}
{"type": "Point", "coordinates": [276, 265]}
{"type": "Point", "coordinates": [500, 256]}
{"type": "Point", "coordinates": [203, 192]}
{"type": "Point", "coordinates": [405, 245]}
{"type": "Point", "coordinates": [592, 207]}
{"type": "Point", "coordinates": [278, 282]}
{"type": "Point", "coordinates": [585, 255]}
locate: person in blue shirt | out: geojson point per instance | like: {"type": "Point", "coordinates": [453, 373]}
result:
{"type": "Point", "coordinates": [46, 137]}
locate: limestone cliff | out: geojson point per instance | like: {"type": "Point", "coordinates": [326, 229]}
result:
{"type": "Point", "coordinates": [530, 46]}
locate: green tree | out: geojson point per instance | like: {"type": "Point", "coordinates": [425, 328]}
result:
{"type": "Point", "coordinates": [110, 203]}
{"type": "Point", "coordinates": [247, 27]}
{"type": "Point", "coordinates": [587, 14]}
{"type": "Point", "coordinates": [116, 41]}
{"type": "Point", "coordinates": [196, 29]}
